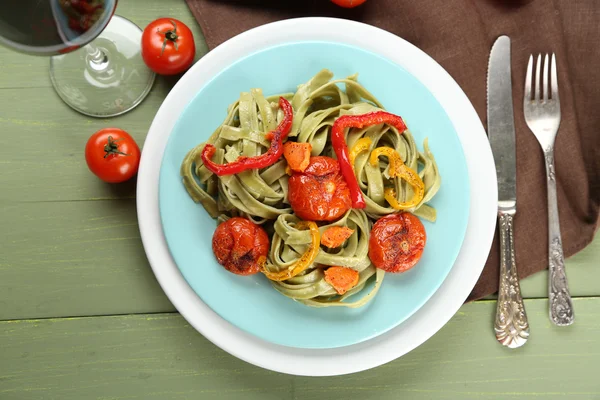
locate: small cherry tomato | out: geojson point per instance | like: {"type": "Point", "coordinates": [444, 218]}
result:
{"type": "Point", "coordinates": [240, 246]}
{"type": "Point", "coordinates": [348, 3]}
{"type": "Point", "coordinates": [168, 46]}
{"type": "Point", "coordinates": [112, 155]}
{"type": "Point", "coordinates": [320, 192]}
{"type": "Point", "coordinates": [397, 242]}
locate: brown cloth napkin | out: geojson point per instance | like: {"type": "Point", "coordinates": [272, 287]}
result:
{"type": "Point", "coordinates": [458, 34]}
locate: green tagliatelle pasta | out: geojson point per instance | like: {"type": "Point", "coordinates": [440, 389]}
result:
{"type": "Point", "coordinates": [311, 288]}
{"type": "Point", "coordinates": [261, 194]}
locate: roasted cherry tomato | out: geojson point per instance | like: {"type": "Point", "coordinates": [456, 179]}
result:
{"type": "Point", "coordinates": [240, 246]}
{"type": "Point", "coordinates": [112, 155]}
{"type": "Point", "coordinates": [168, 46]}
{"type": "Point", "coordinates": [348, 3]}
{"type": "Point", "coordinates": [320, 192]}
{"type": "Point", "coordinates": [397, 242]}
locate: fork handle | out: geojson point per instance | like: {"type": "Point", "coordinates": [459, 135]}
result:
{"type": "Point", "coordinates": [511, 325]}
{"type": "Point", "coordinates": [560, 304]}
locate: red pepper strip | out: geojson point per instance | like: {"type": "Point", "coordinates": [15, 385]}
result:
{"type": "Point", "coordinates": [341, 149]}
{"type": "Point", "coordinates": [243, 163]}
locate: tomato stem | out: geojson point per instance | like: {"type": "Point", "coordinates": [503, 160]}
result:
{"type": "Point", "coordinates": [170, 36]}
{"type": "Point", "coordinates": [111, 147]}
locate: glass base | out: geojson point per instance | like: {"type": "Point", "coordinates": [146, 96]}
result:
{"type": "Point", "coordinates": [108, 77]}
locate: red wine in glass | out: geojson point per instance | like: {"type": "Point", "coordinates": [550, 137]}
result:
{"type": "Point", "coordinates": [96, 65]}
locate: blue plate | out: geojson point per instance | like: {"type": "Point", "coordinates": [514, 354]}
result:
{"type": "Point", "coordinates": [251, 303]}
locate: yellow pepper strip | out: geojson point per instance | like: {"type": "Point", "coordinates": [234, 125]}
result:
{"type": "Point", "coordinates": [390, 196]}
{"type": "Point", "coordinates": [305, 260]}
{"type": "Point", "coordinates": [394, 158]}
{"type": "Point", "coordinates": [399, 169]}
{"type": "Point", "coordinates": [361, 145]}
{"type": "Point", "coordinates": [412, 177]}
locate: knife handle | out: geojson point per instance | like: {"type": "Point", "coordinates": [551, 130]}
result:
{"type": "Point", "coordinates": [560, 304]}
{"type": "Point", "coordinates": [511, 325]}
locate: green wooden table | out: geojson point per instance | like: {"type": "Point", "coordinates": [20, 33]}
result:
{"type": "Point", "coordinates": [82, 316]}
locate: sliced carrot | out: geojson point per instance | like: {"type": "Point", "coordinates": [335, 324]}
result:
{"type": "Point", "coordinates": [297, 155]}
{"type": "Point", "coordinates": [335, 236]}
{"type": "Point", "coordinates": [341, 278]}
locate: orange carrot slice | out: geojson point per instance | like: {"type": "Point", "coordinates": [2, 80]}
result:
{"type": "Point", "coordinates": [297, 155]}
{"type": "Point", "coordinates": [341, 278]}
{"type": "Point", "coordinates": [335, 236]}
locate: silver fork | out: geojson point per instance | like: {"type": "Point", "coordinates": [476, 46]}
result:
{"type": "Point", "coordinates": [542, 114]}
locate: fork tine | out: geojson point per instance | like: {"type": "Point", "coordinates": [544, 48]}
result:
{"type": "Point", "coordinates": [546, 77]}
{"type": "Point", "coordinates": [528, 78]}
{"type": "Point", "coordinates": [537, 81]}
{"type": "Point", "coordinates": [554, 79]}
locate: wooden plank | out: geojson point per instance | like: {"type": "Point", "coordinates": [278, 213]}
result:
{"type": "Point", "coordinates": [78, 258]}
{"type": "Point", "coordinates": [42, 153]}
{"type": "Point", "coordinates": [160, 356]}
{"type": "Point", "coordinates": [22, 70]}
{"type": "Point", "coordinates": [86, 258]}
{"type": "Point", "coordinates": [464, 361]}
{"type": "Point", "coordinates": [582, 270]}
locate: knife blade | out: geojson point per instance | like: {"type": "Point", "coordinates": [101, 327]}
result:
{"type": "Point", "coordinates": [501, 126]}
{"type": "Point", "coordinates": [511, 325]}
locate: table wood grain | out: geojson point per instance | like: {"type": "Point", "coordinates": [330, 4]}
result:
{"type": "Point", "coordinates": [159, 356]}
{"type": "Point", "coordinates": [82, 316]}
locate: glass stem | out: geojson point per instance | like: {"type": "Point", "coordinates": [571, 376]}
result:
{"type": "Point", "coordinates": [96, 56]}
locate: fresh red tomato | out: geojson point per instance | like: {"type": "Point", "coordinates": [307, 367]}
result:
{"type": "Point", "coordinates": [112, 155]}
{"type": "Point", "coordinates": [320, 193]}
{"type": "Point", "coordinates": [168, 46]}
{"type": "Point", "coordinates": [240, 246]}
{"type": "Point", "coordinates": [348, 3]}
{"type": "Point", "coordinates": [397, 242]}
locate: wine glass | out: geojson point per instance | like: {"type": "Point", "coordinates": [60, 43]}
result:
{"type": "Point", "coordinates": [96, 65]}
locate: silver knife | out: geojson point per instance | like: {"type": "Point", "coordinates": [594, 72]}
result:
{"type": "Point", "coordinates": [511, 326]}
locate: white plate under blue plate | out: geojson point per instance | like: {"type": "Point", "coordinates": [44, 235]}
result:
{"type": "Point", "coordinates": [428, 319]}
{"type": "Point", "coordinates": [250, 302]}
